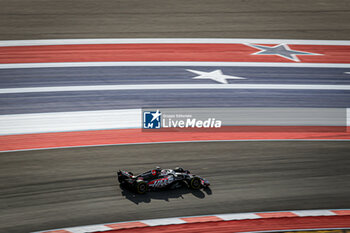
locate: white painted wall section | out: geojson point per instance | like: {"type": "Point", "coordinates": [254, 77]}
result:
{"type": "Point", "coordinates": [69, 121]}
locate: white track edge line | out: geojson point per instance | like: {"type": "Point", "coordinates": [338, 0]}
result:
{"type": "Point", "coordinates": [169, 40]}
{"type": "Point", "coordinates": [173, 87]}
{"type": "Point", "coordinates": [197, 141]}
{"type": "Point", "coordinates": [173, 64]}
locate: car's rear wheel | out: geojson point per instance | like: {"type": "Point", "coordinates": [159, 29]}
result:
{"type": "Point", "coordinates": [121, 178]}
{"type": "Point", "coordinates": [141, 187]}
{"type": "Point", "coordinates": [195, 183]}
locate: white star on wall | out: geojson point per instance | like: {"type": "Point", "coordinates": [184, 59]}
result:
{"type": "Point", "coordinates": [215, 75]}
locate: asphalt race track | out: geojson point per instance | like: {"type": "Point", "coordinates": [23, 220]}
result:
{"type": "Point", "coordinates": [280, 19]}
{"type": "Point", "coordinates": [72, 187]}
{"type": "Point", "coordinates": [47, 189]}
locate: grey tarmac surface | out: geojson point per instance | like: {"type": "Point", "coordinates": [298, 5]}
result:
{"type": "Point", "coordinates": [53, 19]}
{"type": "Point", "coordinates": [70, 187]}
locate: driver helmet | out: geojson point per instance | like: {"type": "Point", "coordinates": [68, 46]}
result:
{"type": "Point", "coordinates": [179, 169]}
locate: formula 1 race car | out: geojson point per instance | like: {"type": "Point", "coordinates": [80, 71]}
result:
{"type": "Point", "coordinates": [161, 178]}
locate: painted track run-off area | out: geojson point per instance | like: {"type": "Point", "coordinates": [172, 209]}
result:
{"type": "Point", "coordinates": [50, 88]}
{"type": "Point", "coordinates": [67, 95]}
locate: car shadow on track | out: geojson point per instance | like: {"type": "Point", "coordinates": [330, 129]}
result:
{"type": "Point", "coordinates": [163, 194]}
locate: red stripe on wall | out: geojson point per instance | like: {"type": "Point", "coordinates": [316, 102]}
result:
{"type": "Point", "coordinates": [126, 136]}
{"type": "Point", "coordinates": [165, 52]}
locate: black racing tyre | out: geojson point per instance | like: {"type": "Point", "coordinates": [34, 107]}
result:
{"type": "Point", "coordinates": [195, 183]}
{"type": "Point", "coordinates": [141, 187]}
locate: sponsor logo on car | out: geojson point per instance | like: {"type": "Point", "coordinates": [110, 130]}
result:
{"type": "Point", "coordinates": [161, 182]}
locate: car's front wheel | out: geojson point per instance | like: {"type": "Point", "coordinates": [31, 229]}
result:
{"type": "Point", "coordinates": [195, 183]}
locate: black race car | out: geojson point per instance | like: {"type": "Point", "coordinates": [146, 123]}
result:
{"type": "Point", "coordinates": [161, 178]}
